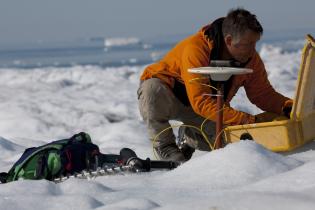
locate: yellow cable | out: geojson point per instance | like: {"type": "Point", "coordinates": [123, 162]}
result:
{"type": "Point", "coordinates": [200, 78]}
{"type": "Point", "coordinates": [203, 123]}
{"type": "Point", "coordinates": [216, 139]}
{"type": "Point", "coordinates": [212, 147]}
{"type": "Point", "coordinates": [206, 119]}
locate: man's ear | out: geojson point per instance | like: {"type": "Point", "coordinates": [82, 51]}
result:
{"type": "Point", "coordinates": [228, 40]}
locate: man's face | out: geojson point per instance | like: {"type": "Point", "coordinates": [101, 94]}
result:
{"type": "Point", "coordinates": [243, 47]}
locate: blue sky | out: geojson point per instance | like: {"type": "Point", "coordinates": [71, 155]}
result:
{"type": "Point", "coordinates": [54, 20]}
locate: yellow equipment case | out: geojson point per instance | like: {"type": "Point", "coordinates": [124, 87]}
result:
{"type": "Point", "coordinates": [288, 134]}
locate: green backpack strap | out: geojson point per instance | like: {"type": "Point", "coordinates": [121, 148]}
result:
{"type": "Point", "coordinates": [29, 166]}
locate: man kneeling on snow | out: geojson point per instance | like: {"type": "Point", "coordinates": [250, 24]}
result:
{"type": "Point", "coordinates": [166, 93]}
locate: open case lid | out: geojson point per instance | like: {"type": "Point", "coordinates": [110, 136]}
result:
{"type": "Point", "coordinates": [220, 73]}
{"type": "Point", "coordinates": [304, 102]}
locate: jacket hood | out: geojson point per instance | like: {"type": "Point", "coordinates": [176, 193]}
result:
{"type": "Point", "coordinates": [212, 31]}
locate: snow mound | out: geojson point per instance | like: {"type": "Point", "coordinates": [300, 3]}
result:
{"type": "Point", "coordinates": [235, 165]}
{"type": "Point", "coordinates": [132, 204]}
{"type": "Point", "coordinates": [49, 194]}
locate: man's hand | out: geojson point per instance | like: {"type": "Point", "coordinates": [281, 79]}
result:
{"type": "Point", "coordinates": [265, 117]}
{"type": "Point", "coordinates": [287, 108]}
{"type": "Point", "coordinates": [248, 119]}
{"type": "Point", "coordinates": [269, 117]}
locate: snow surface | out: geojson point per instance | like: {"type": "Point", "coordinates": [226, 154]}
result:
{"type": "Point", "coordinates": [40, 105]}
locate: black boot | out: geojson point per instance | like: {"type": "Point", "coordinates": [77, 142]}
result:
{"type": "Point", "coordinates": [183, 145]}
{"type": "Point", "coordinates": [169, 152]}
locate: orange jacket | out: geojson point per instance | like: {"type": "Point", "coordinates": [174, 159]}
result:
{"type": "Point", "coordinates": [194, 51]}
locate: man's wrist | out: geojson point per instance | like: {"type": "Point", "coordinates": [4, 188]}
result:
{"type": "Point", "coordinates": [249, 119]}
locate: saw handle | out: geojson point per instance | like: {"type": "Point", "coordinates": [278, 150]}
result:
{"type": "Point", "coordinates": [138, 164]}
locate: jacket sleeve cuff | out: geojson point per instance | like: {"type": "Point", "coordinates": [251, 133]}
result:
{"type": "Point", "coordinates": [248, 119]}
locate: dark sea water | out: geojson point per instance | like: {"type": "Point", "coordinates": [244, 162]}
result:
{"type": "Point", "coordinates": [106, 52]}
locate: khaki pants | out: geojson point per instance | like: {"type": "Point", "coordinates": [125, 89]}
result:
{"type": "Point", "coordinates": [158, 105]}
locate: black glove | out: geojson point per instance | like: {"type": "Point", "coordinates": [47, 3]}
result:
{"type": "Point", "coordinates": [265, 117]}
{"type": "Point", "coordinates": [287, 108]}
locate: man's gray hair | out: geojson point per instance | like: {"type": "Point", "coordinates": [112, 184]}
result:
{"type": "Point", "coordinates": [238, 21]}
